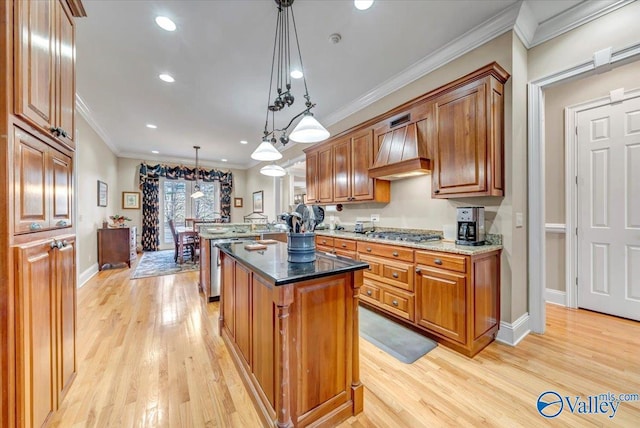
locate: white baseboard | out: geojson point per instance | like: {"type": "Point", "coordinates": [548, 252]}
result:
{"type": "Point", "coordinates": [512, 334]}
{"type": "Point", "coordinates": [555, 296]}
{"type": "Point", "coordinates": [87, 274]}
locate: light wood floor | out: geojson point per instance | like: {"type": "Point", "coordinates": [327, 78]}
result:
{"type": "Point", "coordinates": [149, 355]}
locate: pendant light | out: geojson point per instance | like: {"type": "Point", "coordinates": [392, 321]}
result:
{"type": "Point", "coordinates": [197, 192]}
{"type": "Point", "coordinates": [273, 170]}
{"type": "Point", "coordinates": [309, 130]}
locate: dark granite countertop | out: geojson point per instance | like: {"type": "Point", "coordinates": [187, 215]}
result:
{"type": "Point", "coordinates": [272, 263]}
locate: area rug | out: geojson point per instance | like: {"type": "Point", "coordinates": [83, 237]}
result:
{"type": "Point", "coordinates": [396, 340]}
{"type": "Point", "coordinates": [158, 263]}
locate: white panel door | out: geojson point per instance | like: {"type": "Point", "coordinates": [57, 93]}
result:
{"type": "Point", "coordinates": [609, 209]}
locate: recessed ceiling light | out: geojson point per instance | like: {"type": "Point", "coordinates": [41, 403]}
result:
{"type": "Point", "coordinates": [165, 23]}
{"type": "Point", "coordinates": [155, 152]}
{"type": "Point", "coordinates": [296, 74]}
{"type": "Point", "coordinates": [223, 160]}
{"type": "Point", "coordinates": [362, 4]}
{"type": "Point", "coordinates": [244, 142]}
{"type": "Point", "coordinates": [167, 78]}
{"type": "Point", "coordinates": [151, 126]}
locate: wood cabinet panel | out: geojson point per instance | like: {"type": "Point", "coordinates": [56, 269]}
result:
{"type": "Point", "coordinates": [31, 183]}
{"type": "Point", "coordinates": [66, 316]}
{"type": "Point", "coordinates": [342, 170]}
{"type": "Point", "coordinates": [399, 303]}
{"type": "Point", "coordinates": [43, 185]}
{"type": "Point", "coordinates": [370, 292]}
{"type": "Point", "coordinates": [486, 296]}
{"type": "Point", "coordinates": [442, 260]}
{"type": "Point", "coordinates": [344, 244]}
{"type": "Point", "coordinates": [243, 311]}
{"type": "Point", "coordinates": [35, 62]}
{"type": "Point", "coordinates": [442, 302]}
{"type": "Point", "coordinates": [325, 175]}
{"type": "Point", "coordinates": [312, 177]}
{"type": "Point", "coordinates": [364, 188]}
{"type": "Point", "coordinates": [205, 268]}
{"type": "Point", "coordinates": [45, 67]}
{"type": "Point", "coordinates": [263, 338]}
{"type": "Point", "coordinates": [66, 91]}
{"type": "Point", "coordinates": [36, 345]}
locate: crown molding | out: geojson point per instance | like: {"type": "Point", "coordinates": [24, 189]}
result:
{"type": "Point", "coordinates": [203, 163]}
{"type": "Point", "coordinates": [526, 25]}
{"type": "Point", "coordinates": [85, 112]}
{"type": "Point", "coordinates": [472, 39]}
{"type": "Point", "coordinates": [575, 17]}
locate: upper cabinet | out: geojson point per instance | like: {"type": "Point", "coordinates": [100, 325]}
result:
{"type": "Point", "coordinates": [45, 67]}
{"type": "Point", "coordinates": [468, 149]}
{"type": "Point", "coordinates": [337, 171]}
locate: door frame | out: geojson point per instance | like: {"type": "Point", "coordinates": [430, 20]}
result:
{"type": "Point", "coordinates": [536, 171]}
{"type": "Point", "coordinates": [571, 187]}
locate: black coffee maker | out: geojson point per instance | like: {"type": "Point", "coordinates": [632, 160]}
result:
{"type": "Point", "coordinates": [470, 226]}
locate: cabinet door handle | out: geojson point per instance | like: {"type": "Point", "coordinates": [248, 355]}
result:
{"type": "Point", "coordinates": [324, 242]}
{"type": "Point", "coordinates": [368, 250]}
{"type": "Point", "coordinates": [436, 191]}
{"type": "Point", "coordinates": [344, 245]}
{"type": "Point", "coordinates": [438, 261]}
{"type": "Point", "coordinates": [61, 223]}
{"type": "Point", "coordinates": [64, 243]}
{"type": "Point", "coordinates": [395, 254]}
{"type": "Point", "coordinates": [368, 292]}
{"type": "Point", "coordinates": [54, 244]}
{"type": "Point", "coordinates": [395, 303]}
{"type": "Point", "coordinates": [62, 133]}
{"type": "Point", "coordinates": [395, 274]}
{"type": "Point", "coordinates": [418, 270]}
{"type": "Point", "coordinates": [35, 226]}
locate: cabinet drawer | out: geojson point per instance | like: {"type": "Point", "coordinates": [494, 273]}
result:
{"type": "Point", "coordinates": [399, 303]}
{"type": "Point", "coordinates": [324, 248]}
{"type": "Point", "coordinates": [394, 273]}
{"type": "Point", "coordinates": [375, 266]}
{"type": "Point", "coordinates": [369, 291]}
{"type": "Point", "coordinates": [389, 251]}
{"type": "Point", "coordinates": [344, 244]}
{"type": "Point", "coordinates": [344, 253]}
{"type": "Point", "coordinates": [324, 241]}
{"type": "Point", "coordinates": [442, 261]}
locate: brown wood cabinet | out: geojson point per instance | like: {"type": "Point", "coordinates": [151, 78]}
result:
{"type": "Point", "coordinates": [295, 345]}
{"type": "Point", "coordinates": [44, 67]}
{"type": "Point", "coordinates": [116, 246]}
{"type": "Point", "coordinates": [43, 185]}
{"type": "Point", "coordinates": [337, 171]}
{"type": "Point", "coordinates": [46, 321]}
{"type": "Point", "coordinates": [452, 298]}
{"type": "Point", "coordinates": [469, 148]}
{"type": "Point", "coordinates": [339, 246]}
{"type": "Point", "coordinates": [37, 281]}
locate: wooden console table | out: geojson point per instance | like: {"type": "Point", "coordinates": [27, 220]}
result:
{"type": "Point", "coordinates": [116, 246]}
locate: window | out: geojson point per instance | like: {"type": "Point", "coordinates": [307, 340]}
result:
{"type": "Point", "coordinates": [177, 204]}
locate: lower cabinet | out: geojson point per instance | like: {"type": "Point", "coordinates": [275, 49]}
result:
{"type": "Point", "coordinates": [452, 298]}
{"type": "Point", "coordinates": [46, 327]}
{"type": "Point", "coordinates": [116, 246]}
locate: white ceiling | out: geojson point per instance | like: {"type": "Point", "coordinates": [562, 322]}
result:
{"type": "Point", "coordinates": [220, 56]}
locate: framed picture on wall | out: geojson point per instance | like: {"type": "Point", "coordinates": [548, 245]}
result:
{"type": "Point", "coordinates": [131, 200]}
{"type": "Point", "coordinates": [103, 193]}
{"type": "Point", "coordinates": [237, 202]}
{"type": "Point", "coordinates": [257, 201]}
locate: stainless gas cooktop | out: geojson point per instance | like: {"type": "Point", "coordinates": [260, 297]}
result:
{"type": "Point", "coordinates": [404, 236]}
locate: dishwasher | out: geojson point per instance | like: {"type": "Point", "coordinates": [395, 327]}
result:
{"type": "Point", "coordinates": [216, 274]}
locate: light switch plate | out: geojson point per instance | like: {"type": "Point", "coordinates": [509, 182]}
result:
{"type": "Point", "coordinates": [519, 220]}
{"type": "Point", "coordinates": [375, 217]}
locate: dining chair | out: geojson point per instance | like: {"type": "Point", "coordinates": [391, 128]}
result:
{"type": "Point", "coordinates": [190, 244]}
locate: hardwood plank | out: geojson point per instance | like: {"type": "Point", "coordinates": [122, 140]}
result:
{"type": "Point", "coordinates": [149, 354]}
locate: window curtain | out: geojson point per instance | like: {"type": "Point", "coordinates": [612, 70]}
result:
{"type": "Point", "coordinates": [150, 184]}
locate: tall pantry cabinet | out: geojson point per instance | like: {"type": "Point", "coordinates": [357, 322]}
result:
{"type": "Point", "coordinates": [37, 233]}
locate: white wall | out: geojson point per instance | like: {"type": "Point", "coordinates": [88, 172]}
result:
{"type": "Point", "coordinates": [94, 161]}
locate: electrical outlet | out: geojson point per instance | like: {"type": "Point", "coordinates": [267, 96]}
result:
{"type": "Point", "coordinates": [375, 217]}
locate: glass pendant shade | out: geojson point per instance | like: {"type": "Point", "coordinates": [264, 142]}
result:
{"type": "Point", "coordinates": [273, 171]}
{"type": "Point", "coordinates": [197, 193]}
{"type": "Point", "coordinates": [266, 152]}
{"type": "Point", "coordinates": [309, 130]}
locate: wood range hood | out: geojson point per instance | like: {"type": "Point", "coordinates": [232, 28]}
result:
{"type": "Point", "coordinates": [403, 150]}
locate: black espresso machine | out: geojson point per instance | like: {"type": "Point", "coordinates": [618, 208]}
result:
{"type": "Point", "coordinates": [470, 229]}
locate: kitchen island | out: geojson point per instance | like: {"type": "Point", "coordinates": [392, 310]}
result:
{"type": "Point", "coordinates": [292, 331]}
